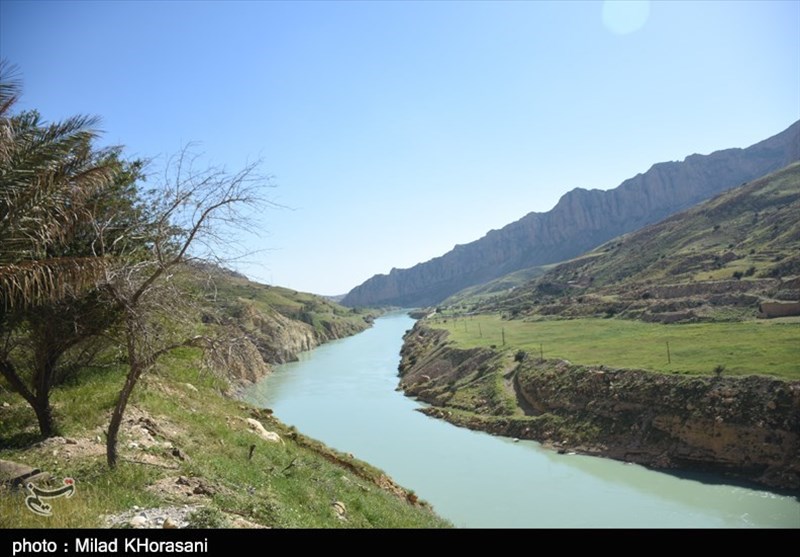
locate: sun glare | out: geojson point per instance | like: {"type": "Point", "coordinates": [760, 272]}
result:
{"type": "Point", "coordinates": [623, 17]}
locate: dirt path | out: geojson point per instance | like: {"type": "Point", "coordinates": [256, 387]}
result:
{"type": "Point", "coordinates": [512, 389]}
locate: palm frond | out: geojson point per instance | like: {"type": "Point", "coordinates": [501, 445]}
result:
{"type": "Point", "coordinates": [31, 283]}
{"type": "Point", "coordinates": [10, 86]}
{"type": "Point", "coordinates": [43, 185]}
{"type": "Point", "coordinates": [48, 172]}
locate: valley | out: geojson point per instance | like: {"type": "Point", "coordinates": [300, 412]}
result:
{"type": "Point", "coordinates": [397, 265]}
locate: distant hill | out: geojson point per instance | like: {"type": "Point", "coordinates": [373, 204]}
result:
{"type": "Point", "coordinates": [582, 220]}
{"type": "Point", "coordinates": [719, 259]}
{"type": "Point", "coordinates": [495, 287]}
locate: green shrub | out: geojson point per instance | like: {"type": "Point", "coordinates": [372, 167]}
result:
{"type": "Point", "coordinates": [207, 517]}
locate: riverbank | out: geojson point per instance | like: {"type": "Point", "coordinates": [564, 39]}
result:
{"type": "Point", "coordinates": [746, 427]}
{"type": "Point", "coordinates": [185, 446]}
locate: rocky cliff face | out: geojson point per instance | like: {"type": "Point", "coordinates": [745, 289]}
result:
{"type": "Point", "coordinates": [748, 427]}
{"type": "Point", "coordinates": [273, 338]}
{"type": "Point", "coordinates": [278, 338]}
{"type": "Point", "coordinates": [582, 219]}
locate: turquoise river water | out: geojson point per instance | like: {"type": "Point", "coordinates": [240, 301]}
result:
{"type": "Point", "coordinates": [343, 394]}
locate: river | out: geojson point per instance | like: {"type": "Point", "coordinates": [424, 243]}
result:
{"type": "Point", "coordinates": [343, 393]}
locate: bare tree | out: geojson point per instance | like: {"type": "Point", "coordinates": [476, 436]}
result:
{"type": "Point", "coordinates": [193, 216]}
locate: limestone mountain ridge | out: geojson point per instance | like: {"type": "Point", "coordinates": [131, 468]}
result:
{"type": "Point", "coordinates": [580, 221]}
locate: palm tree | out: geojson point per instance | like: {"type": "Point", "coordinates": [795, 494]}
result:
{"type": "Point", "coordinates": [48, 172]}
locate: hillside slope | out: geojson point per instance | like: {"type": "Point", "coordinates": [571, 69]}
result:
{"type": "Point", "coordinates": [580, 221]}
{"type": "Point", "coordinates": [277, 322]}
{"type": "Point", "coordinates": [718, 259]}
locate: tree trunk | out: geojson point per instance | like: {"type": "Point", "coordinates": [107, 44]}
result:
{"type": "Point", "coordinates": [43, 379]}
{"type": "Point", "coordinates": [44, 415]}
{"type": "Point", "coordinates": [40, 402]}
{"type": "Point", "coordinates": [118, 413]}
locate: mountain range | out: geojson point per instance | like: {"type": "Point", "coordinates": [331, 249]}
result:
{"type": "Point", "coordinates": [580, 221]}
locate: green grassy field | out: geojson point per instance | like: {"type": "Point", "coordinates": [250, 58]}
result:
{"type": "Point", "coordinates": [288, 484]}
{"type": "Point", "coordinates": [744, 348]}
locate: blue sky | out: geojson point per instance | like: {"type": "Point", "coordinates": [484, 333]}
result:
{"type": "Point", "coordinates": [395, 130]}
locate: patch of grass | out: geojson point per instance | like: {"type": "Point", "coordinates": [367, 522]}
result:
{"type": "Point", "coordinates": [98, 491]}
{"type": "Point", "coordinates": [750, 347]}
{"type": "Point", "coordinates": [84, 405]}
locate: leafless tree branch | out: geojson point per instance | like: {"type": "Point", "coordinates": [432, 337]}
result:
{"type": "Point", "coordinates": [191, 216]}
